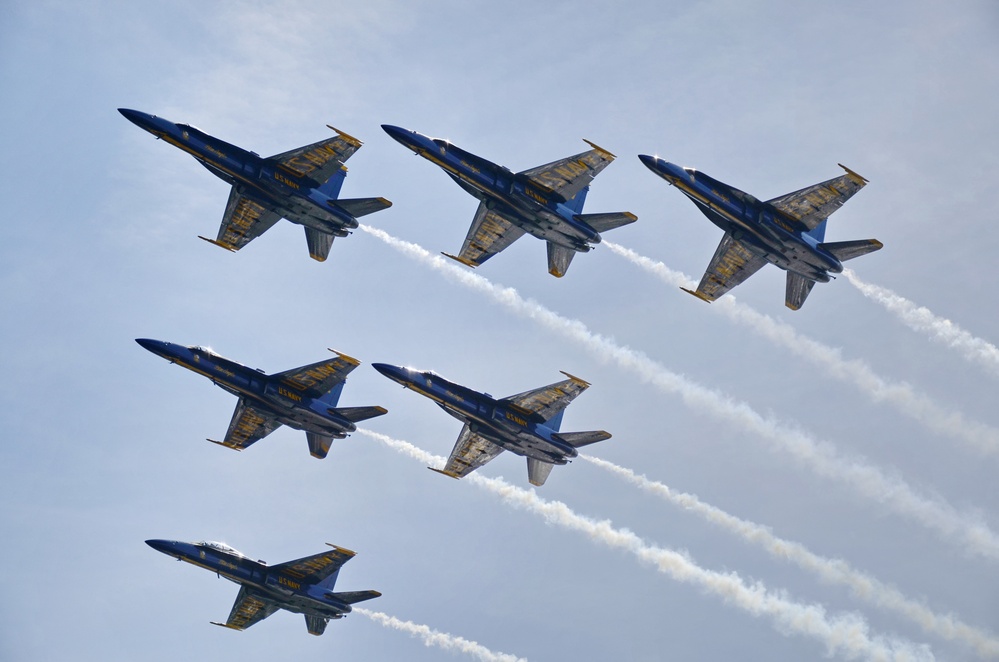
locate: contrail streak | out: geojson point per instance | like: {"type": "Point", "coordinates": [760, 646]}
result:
{"type": "Point", "coordinates": [933, 513]}
{"type": "Point", "coordinates": [862, 586]}
{"type": "Point", "coordinates": [448, 642]}
{"type": "Point", "coordinates": [902, 396]}
{"type": "Point", "coordinates": [845, 634]}
{"type": "Point", "coordinates": [980, 352]}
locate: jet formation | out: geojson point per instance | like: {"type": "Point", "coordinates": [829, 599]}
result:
{"type": "Point", "coordinates": [301, 185]}
{"type": "Point", "coordinates": [302, 398]}
{"type": "Point", "coordinates": [304, 586]}
{"type": "Point", "coordinates": [546, 201]}
{"type": "Point", "coordinates": [788, 231]}
{"type": "Point", "coordinates": [526, 424]}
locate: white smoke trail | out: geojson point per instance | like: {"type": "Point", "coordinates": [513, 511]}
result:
{"type": "Point", "coordinates": [980, 352]}
{"type": "Point", "coordinates": [837, 571]}
{"type": "Point", "coordinates": [448, 642]}
{"type": "Point", "coordinates": [969, 530]}
{"type": "Point", "coordinates": [845, 634]}
{"type": "Point", "coordinates": [902, 396]}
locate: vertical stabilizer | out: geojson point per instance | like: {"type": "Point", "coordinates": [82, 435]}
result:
{"type": "Point", "coordinates": [331, 187]}
{"type": "Point", "coordinates": [316, 624]}
{"type": "Point", "coordinates": [559, 258]}
{"type": "Point", "coordinates": [818, 233]}
{"type": "Point", "coordinates": [555, 422]}
{"type": "Point", "coordinates": [319, 243]}
{"type": "Point", "coordinates": [576, 203]}
{"type": "Point", "coordinates": [332, 397]}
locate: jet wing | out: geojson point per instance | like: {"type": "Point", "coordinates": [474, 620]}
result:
{"type": "Point", "coordinates": [248, 426]}
{"type": "Point", "coordinates": [732, 263]}
{"type": "Point", "coordinates": [548, 401]}
{"type": "Point", "coordinates": [570, 175]}
{"type": "Point", "coordinates": [320, 160]}
{"type": "Point", "coordinates": [489, 234]}
{"type": "Point", "coordinates": [813, 204]}
{"type": "Point", "coordinates": [244, 220]}
{"type": "Point", "coordinates": [248, 610]}
{"type": "Point", "coordinates": [314, 569]}
{"type": "Point", "coordinates": [317, 379]}
{"type": "Point", "coordinates": [471, 451]}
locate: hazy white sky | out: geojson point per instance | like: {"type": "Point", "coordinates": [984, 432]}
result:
{"type": "Point", "coordinates": [104, 443]}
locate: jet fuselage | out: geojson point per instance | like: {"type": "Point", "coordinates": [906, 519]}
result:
{"type": "Point", "coordinates": [292, 408]}
{"type": "Point", "coordinates": [533, 208]}
{"type": "Point", "coordinates": [285, 590]}
{"type": "Point", "coordinates": [506, 425]}
{"type": "Point", "coordinates": [295, 197]}
{"type": "Point", "coordinates": [782, 240]}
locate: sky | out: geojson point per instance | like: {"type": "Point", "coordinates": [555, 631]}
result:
{"type": "Point", "coordinates": [788, 429]}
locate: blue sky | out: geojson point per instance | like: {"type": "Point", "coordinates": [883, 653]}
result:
{"type": "Point", "coordinates": [104, 442]}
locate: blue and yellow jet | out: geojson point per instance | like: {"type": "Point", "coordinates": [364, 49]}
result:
{"type": "Point", "coordinates": [302, 398]}
{"type": "Point", "coordinates": [788, 231]}
{"type": "Point", "coordinates": [546, 201]}
{"type": "Point", "coordinates": [301, 185]}
{"type": "Point", "coordinates": [526, 424]}
{"type": "Point", "coordinates": [304, 586]}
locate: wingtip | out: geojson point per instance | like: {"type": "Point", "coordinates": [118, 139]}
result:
{"type": "Point", "coordinates": [696, 294]}
{"type": "Point", "coordinates": [467, 263]}
{"type": "Point", "coordinates": [444, 473]}
{"type": "Point", "coordinates": [853, 175]}
{"type": "Point", "coordinates": [228, 247]}
{"type": "Point", "coordinates": [575, 378]}
{"type": "Point", "coordinates": [599, 148]}
{"type": "Point", "coordinates": [343, 356]}
{"type": "Point", "coordinates": [346, 136]}
{"type": "Point", "coordinates": [222, 443]}
{"type": "Point", "coordinates": [342, 550]}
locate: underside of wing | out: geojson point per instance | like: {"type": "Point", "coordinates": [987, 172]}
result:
{"type": "Point", "coordinates": [732, 263]}
{"type": "Point", "coordinates": [471, 451]}
{"type": "Point", "coordinates": [249, 609]}
{"type": "Point", "coordinates": [813, 204]}
{"type": "Point", "coordinates": [489, 234]}
{"type": "Point", "coordinates": [316, 568]}
{"type": "Point", "coordinates": [244, 220]}
{"type": "Point", "coordinates": [249, 425]}
{"type": "Point", "coordinates": [320, 160]}
{"type": "Point", "coordinates": [797, 290]}
{"type": "Point", "coordinates": [547, 401]}
{"type": "Point", "coordinates": [319, 378]}
{"type": "Point", "coordinates": [570, 175]}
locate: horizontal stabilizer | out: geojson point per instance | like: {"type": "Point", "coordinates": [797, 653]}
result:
{"type": "Point", "coordinates": [356, 414]}
{"type": "Point", "coordinates": [315, 624]}
{"type": "Point", "coordinates": [537, 471]}
{"type": "Point", "coordinates": [580, 439]}
{"type": "Point", "coordinates": [847, 250]}
{"type": "Point", "coordinates": [350, 597]}
{"type": "Point", "coordinates": [358, 207]}
{"type": "Point", "coordinates": [607, 221]}
{"type": "Point", "coordinates": [319, 444]}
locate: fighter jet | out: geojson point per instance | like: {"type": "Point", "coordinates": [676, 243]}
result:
{"type": "Point", "coordinates": [304, 586]}
{"type": "Point", "coordinates": [546, 201]}
{"type": "Point", "coordinates": [302, 398]}
{"type": "Point", "coordinates": [788, 231]}
{"type": "Point", "coordinates": [301, 185]}
{"type": "Point", "coordinates": [526, 424]}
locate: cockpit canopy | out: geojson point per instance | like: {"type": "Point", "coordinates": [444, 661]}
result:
{"type": "Point", "coordinates": [221, 546]}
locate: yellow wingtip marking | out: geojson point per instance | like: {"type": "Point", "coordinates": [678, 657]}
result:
{"type": "Point", "coordinates": [575, 378]}
{"type": "Point", "coordinates": [445, 473]}
{"type": "Point", "coordinates": [342, 550]}
{"type": "Point", "coordinates": [853, 175]}
{"type": "Point", "coordinates": [222, 443]}
{"type": "Point", "coordinates": [346, 136]}
{"type": "Point", "coordinates": [467, 263]}
{"type": "Point", "coordinates": [349, 359]}
{"type": "Point", "coordinates": [228, 247]}
{"type": "Point", "coordinates": [317, 258]}
{"type": "Point", "coordinates": [696, 294]}
{"type": "Point", "coordinates": [599, 148]}
{"type": "Point", "coordinates": [226, 625]}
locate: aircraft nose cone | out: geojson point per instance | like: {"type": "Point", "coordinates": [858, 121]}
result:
{"type": "Point", "coordinates": [397, 132]}
{"type": "Point", "coordinates": [649, 161]}
{"type": "Point", "coordinates": [137, 117]}
{"type": "Point", "coordinates": [154, 346]}
{"type": "Point", "coordinates": [165, 546]}
{"type": "Point", "coordinates": [394, 373]}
